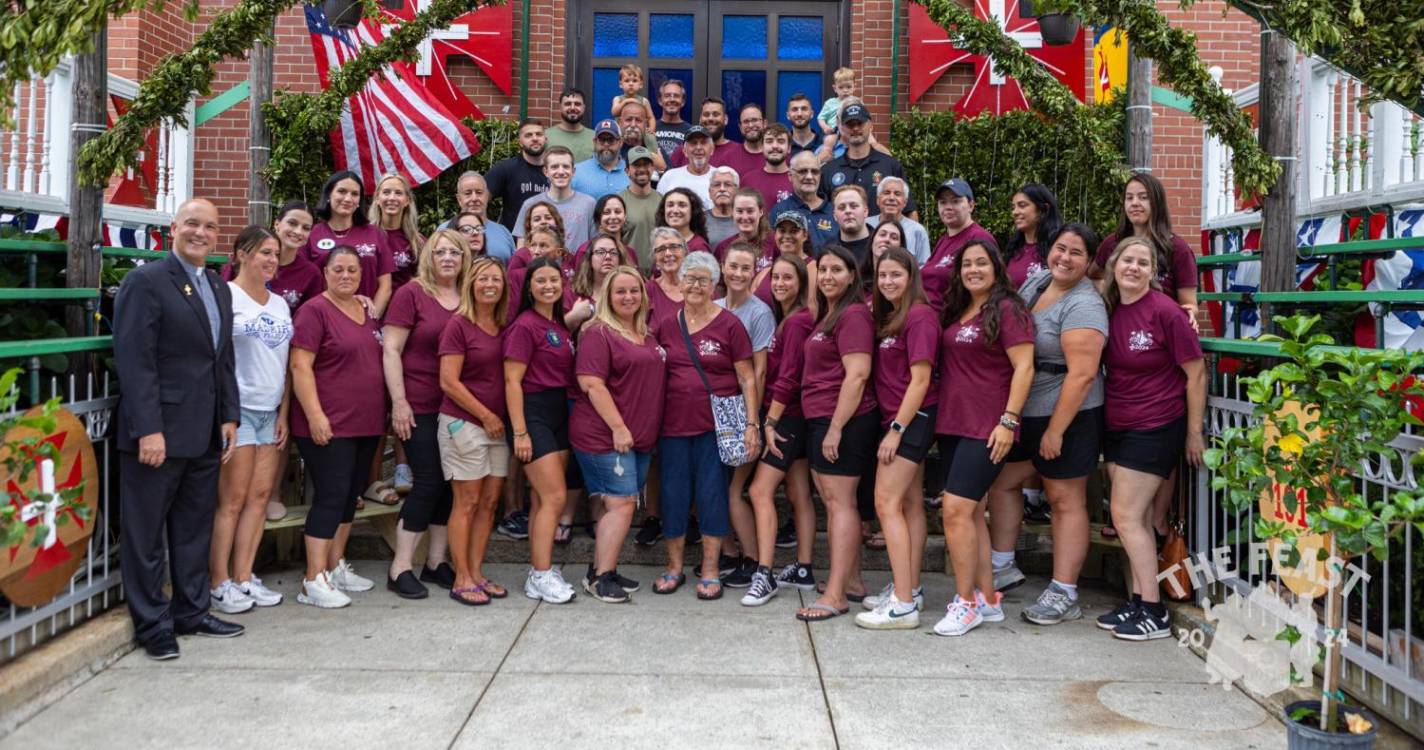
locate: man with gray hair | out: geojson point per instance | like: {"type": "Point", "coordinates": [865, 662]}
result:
{"type": "Point", "coordinates": [807, 201]}
{"type": "Point", "coordinates": [892, 195]}
{"type": "Point", "coordinates": [723, 188]}
{"type": "Point", "coordinates": [472, 196]}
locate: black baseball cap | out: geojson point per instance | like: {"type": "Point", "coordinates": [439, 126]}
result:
{"type": "Point", "coordinates": [697, 130]}
{"type": "Point", "coordinates": [957, 186]}
{"type": "Point", "coordinates": [855, 113]}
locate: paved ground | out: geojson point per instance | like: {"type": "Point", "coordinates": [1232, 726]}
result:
{"type": "Point", "coordinates": [661, 672]}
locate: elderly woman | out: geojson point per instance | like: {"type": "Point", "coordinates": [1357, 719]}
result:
{"type": "Point", "coordinates": [709, 354]}
{"type": "Point", "coordinates": [413, 326]}
{"type": "Point", "coordinates": [665, 288]}
{"type": "Point", "coordinates": [793, 238]}
{"type": "Point", "coordinates": [615, 421]}
{"type": "Point", "coordinates": [681, 209]}
{"type": "Point", "coordinates": [338, 421]}
{"type": "Point", "coordinates": [394, 211]}
{"type": "Point", "coordinates": [749, 216]}
{"type": "Point", "coordinates": [891, 197]}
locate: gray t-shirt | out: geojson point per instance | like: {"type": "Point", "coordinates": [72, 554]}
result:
{"type": "Point", "coordinates": [577, 213]}
{"type": "Point", "coordinates": [1080, 307]}
{"type": "Point", "coordinates": [757, 318]}
{"type": "Point", "coordinates": [719, 228]}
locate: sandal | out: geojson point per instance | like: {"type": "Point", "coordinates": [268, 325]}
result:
{"type": "Point", "coordinates": [704, 589]}
{"type": "Point", "coordinates": [816, 612]}
{"type": "Point", "coordinates": [875, 541]}
{"type": "Point", "coordinates": [494, 590]}
{"type": "Point", "coordinates": [563, 534]}
{"type": "Point", "coordinates": [478, 599]}
{"type": "Point", "coordinates": [660, 586]}
{"type": "Point", "coordinates": [851, 595]}
{"type": "Point", "coordinates": [380, 492]}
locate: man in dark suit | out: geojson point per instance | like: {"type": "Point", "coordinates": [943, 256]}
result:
{"type": "Point", "coordinates": [178, 414]}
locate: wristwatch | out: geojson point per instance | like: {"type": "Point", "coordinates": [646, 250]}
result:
{"type": "Point", "coordinates": [897, 427]}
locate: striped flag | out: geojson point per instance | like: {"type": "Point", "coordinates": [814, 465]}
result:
{"type": "Point", "coordinates": [394, 124]}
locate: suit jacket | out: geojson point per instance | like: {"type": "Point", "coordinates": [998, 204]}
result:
{"type": "Point", "coordinates": [171, 378]}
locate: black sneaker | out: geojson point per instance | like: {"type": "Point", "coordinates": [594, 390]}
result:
{"type": "Point", "coordinates": [728, 564]}
{"type": "Point", "coordinates": [606, 589]}
{"type": "Point", "coordinates": [651, 532]}
{"type": "Point", "coordinates": [797, 576]}
{"type": "Point", "coordinates": [786, 536]}
{"type": "Point", "coordinates": [1037, 511]}
{"type": "Point", "coordinates": [515, 525]}
{"type": "Point", "coordinates": [441, 575]}
{"type": "Point", "coordinates": [1146, 626]}
{"type": "Point", "coordinates": [741, 576]}
{"type": "Point", "coordinates": [628, 584]}
{"type": "Point", "coordinates": [762, 589]}
{"type": "Point", "coordinates": [1124, 612]}
{"type": "Point", "coordinates": [406, 586]}
{"type": "Point", "coordinates": [694, 534]}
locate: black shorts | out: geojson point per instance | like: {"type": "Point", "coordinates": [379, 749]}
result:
{"type": "Point", "coordinates": [859, 439]}
{"type": "Point", "coordinates": [968, 472]}
{"type": "Point", "coordinates": [1155, 451]}
{"type": "Point", "coordinates": [546, 416]}
{"type": "Point", "coordinates": [1082, 442]}
{"type": "Point", "coordinates": [918, 437]}
{"type": "Point", "coordinates": [794, 449]}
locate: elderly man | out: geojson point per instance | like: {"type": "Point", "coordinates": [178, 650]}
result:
{"type": "Point", "coordinates": [697, 174]}
{"type": "Point", "coordinates": [472, 196]}
{"type": "Point", "coordinates": [712, 116]}
{"type": "Point", "coordinates": [806, 200]}
{"type": "Point", "coordinates": [520, 177]}
{"type": "Point", "coordinates": [641, 202]}
{"type": "Point", "coordinates": [603, 174]}
{"type": "Point", "coordinates": [723, 186]}
{"type": "Point", "coordinates": [576, 208]}
{"type": "Point", "coordinates": [177, 423]}
{"type": "Point", "coordinates": [860, 164]}
{"type": "Point", "coordinates": [848, 201]}
{"type": "Point", "coordinates": [892, 195]}
{"type": "Point", "coordinates": [633, 120]}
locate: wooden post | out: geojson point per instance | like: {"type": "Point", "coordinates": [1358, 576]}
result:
{"type": "Point", "coordinates": [1139, 113]}
{"type": "Point", "coordinates": [259, 198]}
{"type": "Point", "coordinates": [86, 203]}
{"type": "Point", "coordinates": [1278, 137]}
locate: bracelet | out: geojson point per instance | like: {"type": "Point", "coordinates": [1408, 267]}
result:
{"type": "Point", "coordinates": [771, 422]}
{"type": "Point", "coordinates": [1013, 414]}
{"type": "Point", "coordinates": [522, 434]}
{"type": "Point", "coordinates": [754, 425]}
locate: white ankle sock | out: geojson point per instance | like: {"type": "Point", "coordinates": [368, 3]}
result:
{"type": "Point", "coordinates": [1001, 559]}
{"type": "Point", "coordinates": [1072, 590]}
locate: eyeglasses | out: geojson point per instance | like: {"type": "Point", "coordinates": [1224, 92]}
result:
{"type": "Point", "coordinates": [808, 170]}
{"type": "Point", "coordinates": [471, 229]}
{"type": "Point", "coordinates": [605, 253]}
{"type": "Point", "coordinates": [697, 281]}
{"type": "Point", "coordinates": [667, 248]}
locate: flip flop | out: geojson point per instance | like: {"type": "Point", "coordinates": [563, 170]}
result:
{"type": "Point", "coordinates": [675, 580]}
{"type": "Point", "coordinates": [563, 534]}
{"type": "Point", "coordinates": [494, 590]}
{"type": "Point", "coordinates": [852, 596]}
{"type": "Point", "coordinates": [827, 611]}
{"type": "Point", "coordinates": [458, 594]}
{"type": "Point", "coordinates": [706, 582]}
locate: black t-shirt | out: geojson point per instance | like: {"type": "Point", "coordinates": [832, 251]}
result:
{"type": "Point", "coordinates": [671, 136]}
{"type": "Point", "coordinates": [867, 173]}
{"type": "Point", "coordinates": [813, 146]}
{"type": "Point", "coordinates": [859, 248]}
{"type": "Point", "coordinates": [514, 181]}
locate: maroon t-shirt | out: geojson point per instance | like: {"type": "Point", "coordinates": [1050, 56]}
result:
{"type": "Point", "coordinates": [936, 273]}
{"type": "Point", "coordinates": [424, 318]}
{"type": "Point", "coordinates": [1024, 265]}
{"type": "Point", "coordinates": [975, 375]}
{"type": "Point", "coordinates": [1148, 341]}
{"type": "Point", "coordinates": [1181, 273]}
{"type": "Point", "coordinates": [823, 371]}
{"type": "Point", "coordinates": [402, 255]}
{"type": "Point", "coordinates": [918, 341]}
{"type": "Point", "coordinates": [370, 243]}
{"type": "Point", "coordinates": [698, 243]}
{"type": "Point", "coordinates": [763, 291]}
{"type": "Point", "coordinates": [784, 360]}
{"type": "Point", "coordinates": [483, 371]}
{"type": "Point", "coordinates": [660, 305]}
{"type": "Point", "coordinates": [774, 188]}
{"type": "Point", "coordinates": [719, 345]}
{"type": "Point", "coordinates": [349, 381]}
{"type": "Point", "coordinates": [769, 250]}
{"type": "Point", "coordinates": [295, 282]}
{"type": "Point", "coordinates": [546, 348]}
{"type": "Point", "coordinates": [634, 376]}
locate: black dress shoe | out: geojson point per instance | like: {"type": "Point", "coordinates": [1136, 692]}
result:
{"type": "Point", "coordinates": [407, 586]}
{"type": "Point", "coordinates": [441, 575]}
{"type": "Point", "coordinates": [212, 627]}
{"type": "Point", "coordinates": [162, 647]}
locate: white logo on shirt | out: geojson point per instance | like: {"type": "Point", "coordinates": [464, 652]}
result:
{"type": "Point", "coordinates": [662, 352]}
{"type": "Point", "coordinates": [292, 296]}
{"type": "Point", "coordinates": [379, 339]}
{"type": "Point", "coordinates": [366, 250]}
{"type": "Point", "coordinates": [1035, 267]}
{"type": "Point", "coordinates": [708, 348]}
{"type": "Point", "coordinates": [888, 342]}
{"type": "Point", "coordinates": [945, 262]}
{"type": "Point", "coordinates": [967, 335]}
{"type": "Point", "coordinates": [1139, 341]}
{"type": "Point", "coordinates": [403, 259]}
{"type": "Point", "coordinates": [820, 336]}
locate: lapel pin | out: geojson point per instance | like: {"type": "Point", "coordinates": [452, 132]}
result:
{"type": "Point", "coordinates": [187, 290]}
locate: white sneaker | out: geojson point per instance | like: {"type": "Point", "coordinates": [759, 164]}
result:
{"type": "Point", "coordinates": [1007, 577]}
{"type": "Point", "coordinates": [404, 479]}
{"type": "Point", "coordinates": [990, 610]}
{"type": "Point", "coordinates": [873, 602]}
{"type": "Point", "coordinates": [260, 594]}
{"type": "Point", "coordinates": [892, 614]}
{"type": "Point", "coordinates": [229, 599]}
{"type": "Point", "coordinates": [548, 585]}
{"type": "Point", "coordinates": [960, 618]}
{"type": "Point", "coordinates": [346, 579]}
{"type": "Point", "coordinates": [320, 593]}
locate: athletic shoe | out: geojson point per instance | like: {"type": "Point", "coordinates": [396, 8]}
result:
{"type": "Point", "coordinates": [650, 533]}
{"type": "Point", "coordinates": [320, 593]}
{"type": "Point", "coordinates": [797, 576]}
{"type": "Point", "coordinates": [276, 511]}
{"type": "Point", "coordinates": [763, 589]}
{"type": "Point", "coordinates": [786, 535]}
{"type": "Point", "coordinates": [442, 575]}
{"type": "Point", "coordinates": [990, 610]}
{"type": "Point", "coordinates": [229, 599]}
{"type": "Point", "coordinates": [892, 614]}
{"type": "Point", "coordinates": [960, 617]}
{"type": "Point", "coordinates": [741, 576]}
{"type": "Point", "coordinates": [1146, 626]}
{"type": "Point", "coordinates": [1124, 612]}
{"type": "Point", "coordinates": [628, 584]}
{"type": "Point", "coordinates": [727, 564]}
{"type": "Point", "coordinates": [605, 588]}
{"type": "Point", "coordinates": [515, 525]}
{"type": "Point", "coordinates": [1036, 509]}
{"type": "Point", "coordinates": [346, 579]}
{"type": "Point", "coordinates": [404, 479]}
{"type": "Point", "coordinates": [548, 585]}
{"type": "Point", "coordinates": [260, 594]}
{"type": "Point", "coordinates": [1007, 577]}
{"type": "Point", "coordinates": [1054, 605]}
{"type": "Point", "coordinates": [917, 597]}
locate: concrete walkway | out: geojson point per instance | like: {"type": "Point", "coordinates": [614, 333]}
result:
{"type": "Point", "coordinates": [661, 672]}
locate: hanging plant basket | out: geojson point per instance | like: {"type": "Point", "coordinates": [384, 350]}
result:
{"type": "Point", "coordinates": [1058, 28]}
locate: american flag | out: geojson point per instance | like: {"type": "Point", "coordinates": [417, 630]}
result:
{"type": "Point", "coordinates": [394, 124]}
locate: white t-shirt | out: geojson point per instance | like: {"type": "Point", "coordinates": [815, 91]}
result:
{"type": "Point", "coordinates": [699, 184]}
{"type": "Point", "coordinates": [261, 335]}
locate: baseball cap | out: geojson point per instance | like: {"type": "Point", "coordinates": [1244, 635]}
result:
{"type": "Point", "coordinates": [607, 126]}
{"type": "Point", "coordinates": [855, 113]}
{"type": "Point", "coordinates": [638, 153]}
{"type": "Point", "coordinates": [697, 130]}
{"type": "Point", "coordinates": [794, 218]}
{"type": "Point", "coordinates": [957, 186]}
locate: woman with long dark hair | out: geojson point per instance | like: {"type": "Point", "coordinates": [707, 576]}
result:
{"type": "Point", "coordinates": [610, 217]}
{"type": "Point", "coordinates": [682, 210]}
{"type": "Point", "coordinates": [793, 238]}
{"type": "Point", "coordinates": [1036, 223]}
{"type": "Point", "coordinates": [749, 216]}
{"type": "Point", "coordinates": [343, 218]}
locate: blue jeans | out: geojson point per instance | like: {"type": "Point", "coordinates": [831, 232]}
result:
{"type": "Point", "coordinates": [692, 471]}
{"type": "Point", "coordinates": [614, 474]}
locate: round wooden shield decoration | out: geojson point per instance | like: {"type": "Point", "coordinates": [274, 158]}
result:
{"type": "Point", "coordinates": [1310, 575]}
{"type": "Point", "coordinates": [31, 576]}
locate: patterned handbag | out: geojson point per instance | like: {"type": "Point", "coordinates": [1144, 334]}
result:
{"type": "Point", "coordinates": [729, 413]}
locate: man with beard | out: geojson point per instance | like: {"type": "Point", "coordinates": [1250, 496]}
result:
{"type": "Point", "coordinates": [713, 119]}
{"type": "Point", "coordinates": [519, 178]}
{"type": "Point", "coordinates": [632, 117]}
{"type": "Point", "coordinates": [671, 128]}
{"type": "Point", "coordinates": [773, 179]}
{"type": "Point", "coordinates": [641, 203]}
{"type": "Point", "coordinates": [723, 187]}
{"type": "Point", "coordinates": [574, 207]}
{"type": "Point", "coordinates": [851, 208]}
{"type": "Point", "coordinates": [800, 114]}
{"type": "Point", "coordinates": [603, 174]}
{"type": "Point", "coordinates": [472, 196]}
{"type": "Point", "coordinates": [570, 132]}
{"type": "Point", "coordinates": [861, 164]}
{"type": "Point", "coordinates": [806, 200]}
{"type": "Point", "coordinates": [748, 158]}
{"type": "Point", "coordinates": [696, 174]}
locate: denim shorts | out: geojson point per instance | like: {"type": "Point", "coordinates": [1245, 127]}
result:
{"type": "Point", "coordinates": [614, 474]}
{"type": "Point", "coordinates": [257, 428]}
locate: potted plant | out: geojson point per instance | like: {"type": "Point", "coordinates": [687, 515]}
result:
{"type": "Point", "coordinates": [1323, 412]}
{"type": "Point", "coordinates": [23, 458]}
{"type": "Point", "coordinates": [1057, 29]}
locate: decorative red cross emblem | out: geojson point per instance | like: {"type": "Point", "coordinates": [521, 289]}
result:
{"type": "Point", "coordinates": [49, 554]}
{"type": "Point", "coordinates": [932, 52]}
{"type": "Point", "coordinates": [485, 36]}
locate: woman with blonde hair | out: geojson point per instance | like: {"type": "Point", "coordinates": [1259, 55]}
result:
{"type": "Point", "coordinates": [394, 211]}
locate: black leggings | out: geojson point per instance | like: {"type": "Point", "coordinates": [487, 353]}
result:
{"type": "Point", "coordinates": [430, 495]}
{"type": "Point", "coordinates": [338, 471]}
